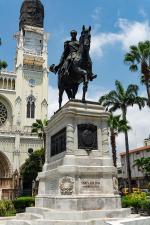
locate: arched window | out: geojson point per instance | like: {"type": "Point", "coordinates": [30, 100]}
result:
{"type": "Point", "coordinates": [31, 107]}
{"type": "Point", "coordinates": [3, 113]}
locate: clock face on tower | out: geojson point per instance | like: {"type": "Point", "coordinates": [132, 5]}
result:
{"type": "Point", "coordinates": [32, 83]}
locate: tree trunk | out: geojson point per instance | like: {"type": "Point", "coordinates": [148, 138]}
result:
{"type": "Point", "coordinates": [148, 91]}
{"type": "Point", "coordinates": [44, 143]}
{"type": "Point", "coordinates": [128, 162]}
{"type": "Point", "coordinates": [127, 155]}
{"type": "Point", "coordinates": [113, 146]}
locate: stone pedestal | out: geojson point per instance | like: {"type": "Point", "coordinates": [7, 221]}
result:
{"type": "Point", "coordinates": [78, 185]}
{"type": "Point", "coordinates": [78, 181]}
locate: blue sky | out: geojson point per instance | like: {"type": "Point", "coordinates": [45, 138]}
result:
{"type": "Point", "coordinates": [116, 24]}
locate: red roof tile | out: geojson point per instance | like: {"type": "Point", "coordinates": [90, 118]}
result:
{"type": "Point", "coordinates": [136, 150]}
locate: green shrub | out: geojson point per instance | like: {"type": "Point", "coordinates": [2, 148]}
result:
{"type": "Point", "coordinates": [145, 205]}
{"type": "Point", "coordinates": [7, 208]}
{"type": "Point", "coordinates": [22, 202]}
{"type": "Point", "coordinates": [134, 200]}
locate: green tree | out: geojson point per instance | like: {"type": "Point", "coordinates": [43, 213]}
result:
{"type": "Point", "coordinates": [39, 128]}
{"type": "Point", "coordinates": [116, 126]}
{"type": "Point", "coordinates": [143, 165]}
{"type": "Point", "coordinates": [137, 58]}
{"type": "Point", "coordinates": [122, 99]}
{"type": "Point", "coordinates": [3, 64]}
{"type": "Point", "coordinates": [31, 167]}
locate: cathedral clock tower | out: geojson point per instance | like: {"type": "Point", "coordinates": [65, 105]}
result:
{"type": "Point", "coordinates": [31, 65]}
{"type": "Point", "coordinates": [23, 95]}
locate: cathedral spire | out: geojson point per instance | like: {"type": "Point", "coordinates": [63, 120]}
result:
{"type": "Point", "coordinates": [32, 14]}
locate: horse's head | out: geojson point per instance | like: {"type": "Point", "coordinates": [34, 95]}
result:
{"type": "Point", "coordinates": [85, 38]}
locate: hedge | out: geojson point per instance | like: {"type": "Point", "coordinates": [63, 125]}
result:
{"type": "Point", "coordinates": [22, 202]}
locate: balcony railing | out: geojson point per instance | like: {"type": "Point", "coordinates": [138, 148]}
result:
{"type": "Point", "coordinates": [7, 80]}
{"type": "Point", "coordinates": [15, 129]}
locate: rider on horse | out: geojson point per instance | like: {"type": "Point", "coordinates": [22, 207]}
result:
{"type": "Point", "coordinates": [75, 65]}
{"type": "Point", "coordinates": [70, 49]}
{"type": "Point", "coordinates": [69, 55]}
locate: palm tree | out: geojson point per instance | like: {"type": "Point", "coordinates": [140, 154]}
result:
{"type": "Point", "coordinates": [140, 54]}
{"type": "Point", "coordinates": [116, 126]}
{"type": "Point", "coordinates": [143, 165]}
{"type": "Point", "coordinates": [38, 128]}
{"type": "Point", "coordinates": [122, 99]}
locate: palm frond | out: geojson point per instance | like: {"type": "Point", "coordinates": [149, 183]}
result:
{"type": "Point", "coordinates": [140, 101]}
{"type": "Point", "coordinates": [114, 107]}
{"type": "Point", "coordinates": [119, 88]}
{"type": "Point", "coordinates": [129, 58]}
{"type": "Point", "coordinates": [123, 126]}
{"type": "Point", "coordinates": [133, 68]}
{"type": "Point", "coordinates": [132, 89]}
{"type": "Point", "coordinates": [34, 130]}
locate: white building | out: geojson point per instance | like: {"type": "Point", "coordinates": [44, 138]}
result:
{"type": "Point", "coordinates": [138, 178]}
{"type": "Point", "coordinates": [147, 141]}
{"type": "Point", "coordinates": [23, 95]}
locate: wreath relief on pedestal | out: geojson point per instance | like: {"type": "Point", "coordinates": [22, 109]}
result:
{"type": "Point", "coordinates": [66, 185]}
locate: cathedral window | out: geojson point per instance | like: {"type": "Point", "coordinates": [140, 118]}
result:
{"type": "Point", "coordinates": [3, 114]}
{"type": "Point", "coordinates": [31, 107]}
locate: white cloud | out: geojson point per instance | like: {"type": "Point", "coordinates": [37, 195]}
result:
{"type": "Point", "coordinates": [130, 32]}
{"type": "Point", "coordinates": [97, 13]}
{"type": "Point", "coordinates": [133, 32]}
{"type": "Point", "coordinates": [140, 124]}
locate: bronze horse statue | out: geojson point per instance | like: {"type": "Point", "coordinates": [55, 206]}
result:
{"type": "Point", "coordinates": [79, 71]}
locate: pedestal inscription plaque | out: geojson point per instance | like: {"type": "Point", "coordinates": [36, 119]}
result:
{"type": "Point", "coordinates": [88, 185]}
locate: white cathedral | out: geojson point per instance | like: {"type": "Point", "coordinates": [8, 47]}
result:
{"type": "Point", "coordinates": [23, 95]}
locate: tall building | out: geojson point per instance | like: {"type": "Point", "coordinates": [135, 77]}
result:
{"type": "Point", "coordinates": [23, 95]}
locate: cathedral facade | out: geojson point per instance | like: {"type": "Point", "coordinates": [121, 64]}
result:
{"type": "Point", "coordinates": [23, 95]}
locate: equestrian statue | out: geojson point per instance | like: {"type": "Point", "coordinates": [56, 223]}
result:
{"type": "Point", "coordinates": [75, 65]}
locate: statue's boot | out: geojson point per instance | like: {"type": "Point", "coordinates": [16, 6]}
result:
{"type": "Point", "coordinates": [93, 77]}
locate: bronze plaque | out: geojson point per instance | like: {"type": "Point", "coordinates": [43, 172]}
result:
{"type": "Point", "coordinates": [58, 142]}
{"type": "Point", "coordinates": [87, 137]}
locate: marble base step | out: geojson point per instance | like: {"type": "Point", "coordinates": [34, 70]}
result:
{"type": "Point", "coordinates": [68, 222]}
{"type": "Point", "coordinates": [28, 216]}
{"type": "Point", "coordinates": [17, 222]}
{"type": "Point", "coordinates": [86, 215]}
{"type": "Point", "coordinates": [54, 222]}
{"type": "Point", "coordinates": [50, 214]}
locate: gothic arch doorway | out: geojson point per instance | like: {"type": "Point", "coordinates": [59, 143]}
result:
{"type": "Point", "coordinates": [5, 166]}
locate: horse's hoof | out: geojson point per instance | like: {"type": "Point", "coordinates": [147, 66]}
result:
{"type": "Point", "coordinates": [83, 100]}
